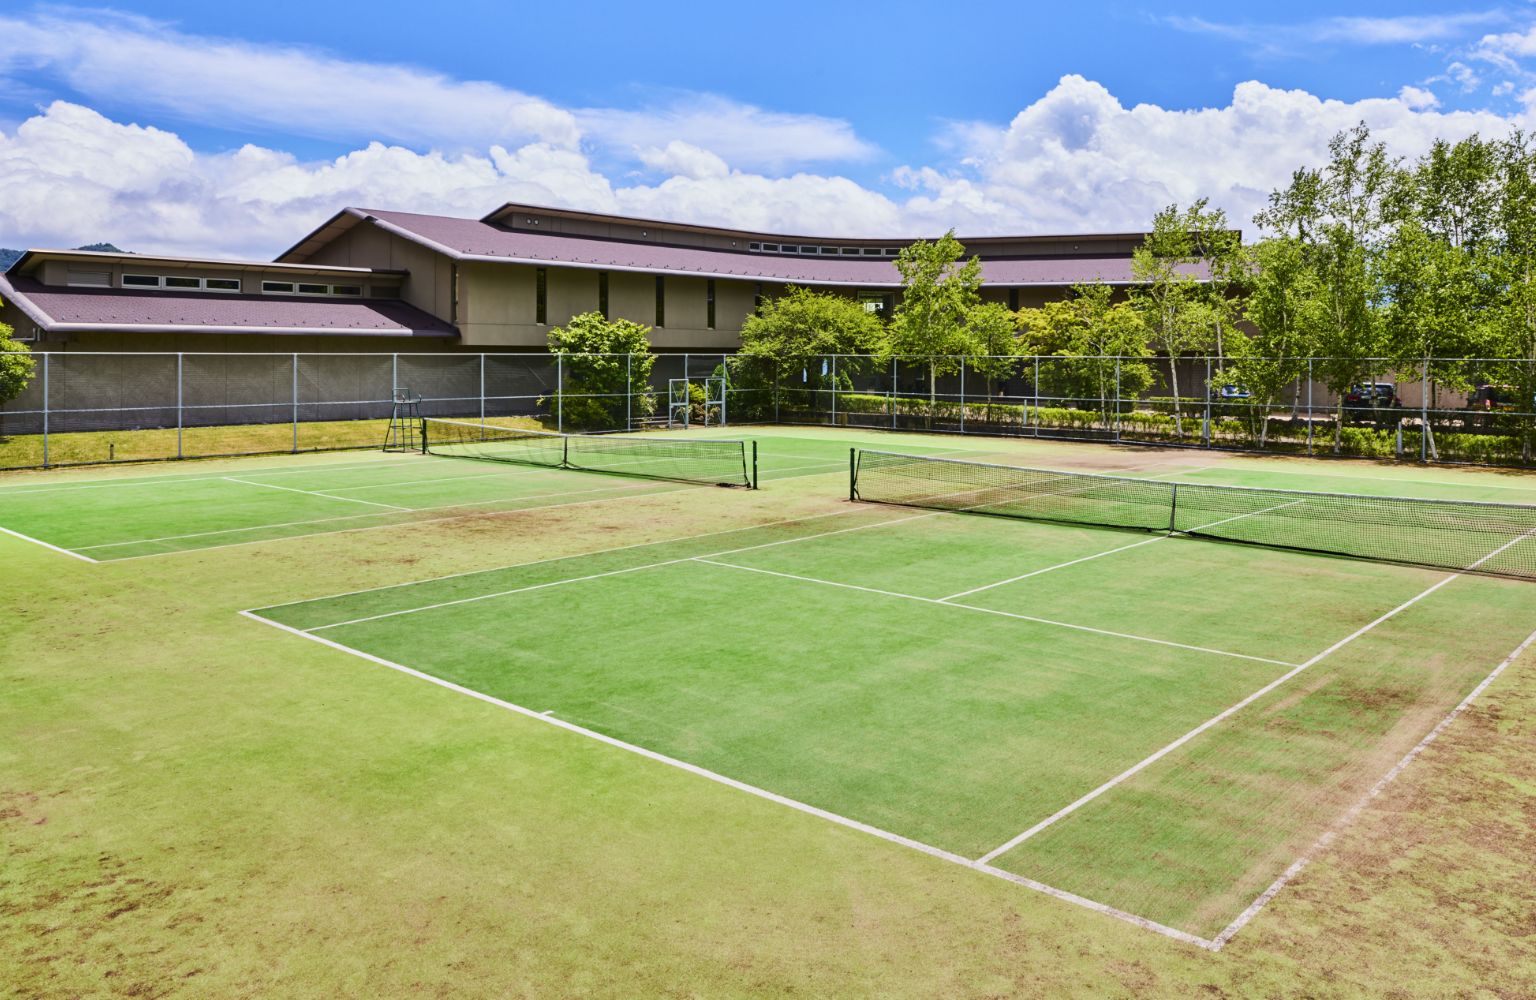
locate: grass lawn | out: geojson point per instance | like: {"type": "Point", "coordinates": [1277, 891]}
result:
{"type": "Point", "coordinates": [196, 803]}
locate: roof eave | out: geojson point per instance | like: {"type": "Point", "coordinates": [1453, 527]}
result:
{"type": "Point", "coordinates": [288, 331]}
{"type": "Point", "coordinates": [23, 262]}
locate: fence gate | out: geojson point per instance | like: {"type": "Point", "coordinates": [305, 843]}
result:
{"type": "Point", "coordinates": [678, 402]}
{"type": "Point", "coordinates": [714, 400]}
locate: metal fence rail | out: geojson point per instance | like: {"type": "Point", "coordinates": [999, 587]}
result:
{"type": "Point", "coordinates": [96, 407]}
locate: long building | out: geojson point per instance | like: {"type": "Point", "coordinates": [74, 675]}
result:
{"type": "Point", "coordinates": [370, 279]}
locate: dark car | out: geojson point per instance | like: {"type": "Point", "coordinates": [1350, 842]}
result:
{"type": "Point", "coordinates": [1370, 401]}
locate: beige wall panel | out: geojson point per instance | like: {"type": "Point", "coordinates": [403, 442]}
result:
{"type": "Point", "coordinates": [632, 296]}
{"type": "Point", "coordinates": [734, 302]}
{"type": "Point", "coordinates": [571, 291]}
{"type": "Point", "coordinates": [685, 303]}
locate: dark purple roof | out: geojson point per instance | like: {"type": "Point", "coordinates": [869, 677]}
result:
{"type": "Point", "coordinates": [472, 238]}
{"type": "Point", "coordinates": [82, 309]}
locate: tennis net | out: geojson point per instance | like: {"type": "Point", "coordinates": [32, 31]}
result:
{"type": "Point", "coordinates": [709, 461]}
{"type": "Point", "coordinates": [1461, 535]}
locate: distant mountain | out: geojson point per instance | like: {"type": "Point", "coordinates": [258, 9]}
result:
{"type": "Point", "coordinates": [9, 257]}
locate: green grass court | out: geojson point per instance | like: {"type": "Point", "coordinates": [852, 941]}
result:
{"type": "Point", "coordinates": [1070, 724]}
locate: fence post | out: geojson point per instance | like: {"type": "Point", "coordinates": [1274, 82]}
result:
{"type": "Point", "coordinates": [725, 399]}
{"type": "Point", "coordinates": [1035, 391]}
{"type": "Point", "coordinates": [46, 356]}
{"type": "Point", "coordinates": [482, 388]}
{"type": "Point", "coordinates": [893, 394]}
{"type": "Point", "coordinates": [1309, 406]}
{"type": "Point", "coordinates": [394, 373]}
{"type": "Point", "coordinates": [1117, 400]}
{"type": "Point", "coordinates": [1424, 412]}
{"type": "Point", "coordinates": [296, 401]}
{"type": "Point", "coordinates": [560, 393]}
{"type": "Point", "coordinates": [1205, 431]}
{"type": "Point", "coordinates": [834, 390]}
{"type": "Point", "coordinates": [629, 392]}
{"type": "Point", "coordinates": [962, 395]}
{"type": "Point", "coordinates": [178, 404]}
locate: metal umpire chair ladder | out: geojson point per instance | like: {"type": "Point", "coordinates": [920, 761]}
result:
{"type": "Point", "coordinates": [405, 430]}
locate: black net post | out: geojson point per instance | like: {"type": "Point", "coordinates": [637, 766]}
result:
{"type": "Point", "coordinates": [853, 474]}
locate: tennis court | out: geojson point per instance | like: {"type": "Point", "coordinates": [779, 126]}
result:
{"type": "Point", "coordinates": [1156, 725]}
{"type": "Point", "coordinates": [126, 517]}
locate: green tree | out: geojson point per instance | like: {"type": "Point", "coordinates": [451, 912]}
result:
{"type": "Point", "coordinates": [1281, 307]}
{"type": "Point", "coordinates": [1435, 263]}
{"type": "Point", "coordinates": [601, 360]}
{"type": "Point", "coordinates": [1220, 248]}
{"type": "Point", "coordinates": [1512, 319]}
{"type": "Point", "coordinates": [17, 366]}
{"type": "Point", "coordinates": [992, 334]}
{"type": "Point", "coordinates": [1101, 341]}
{"type": "Point", "coordinates": [1169, 292]}
{"type": "Point", "coordinates": [1339, 215]}
{"type": "Point", "coordinates": [1434, 313]}
{"type": "Point", "coordinates": [791, 335]}
{"type": "Point", "coordinates": [938, 296]}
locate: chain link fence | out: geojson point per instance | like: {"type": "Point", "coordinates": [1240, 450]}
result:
{"type": "Point", "coordinates": [82, 407]}
{"type": "Point", "coordinates": [88, 407]}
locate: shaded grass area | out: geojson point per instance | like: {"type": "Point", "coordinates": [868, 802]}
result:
{"type": "Point", "coordinates": [193, 805]}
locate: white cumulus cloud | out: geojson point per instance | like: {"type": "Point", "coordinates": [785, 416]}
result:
{"type": "Point", "coordinates": [1075, 160]}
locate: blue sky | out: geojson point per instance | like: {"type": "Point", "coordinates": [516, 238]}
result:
{"type": "Point", "coordinates": [233, 127]}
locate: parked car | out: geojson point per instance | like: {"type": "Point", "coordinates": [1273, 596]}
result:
{"type": "Point", "coordinates": [1234, 392]}
{"type": "Point", "coordinates": [1371, 401]}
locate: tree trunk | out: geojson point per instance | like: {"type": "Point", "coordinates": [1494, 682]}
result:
{"type": "Point", "coordinates": [1173, 376]}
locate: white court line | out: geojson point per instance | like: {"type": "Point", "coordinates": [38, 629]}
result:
{"type": "Point", "coordinates": [991, 611]}
{"type": "Point", "coordinates": [354, 517]}
{"type": "Point", "coordinates": [1051, 569]}
{"type": "Point", "coordinates": [175, 479]}
{"type": "Point", "coordinates": [46, 545]}
{"type": "Point", "coordinates": [315, 493]}
{"type": "Point", "coordinates": [1240, 469]}
{"type": "Point", "coordinates": [1149, 761]}
{"type": "Point", "coordinates": [1354, 811]}
{"type": "Point", "coordinates": [1122, 548]}
{"type": "Point", "coordinates": [763, 793]}
{"type": "Point", "coordinates": [597, 576]}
